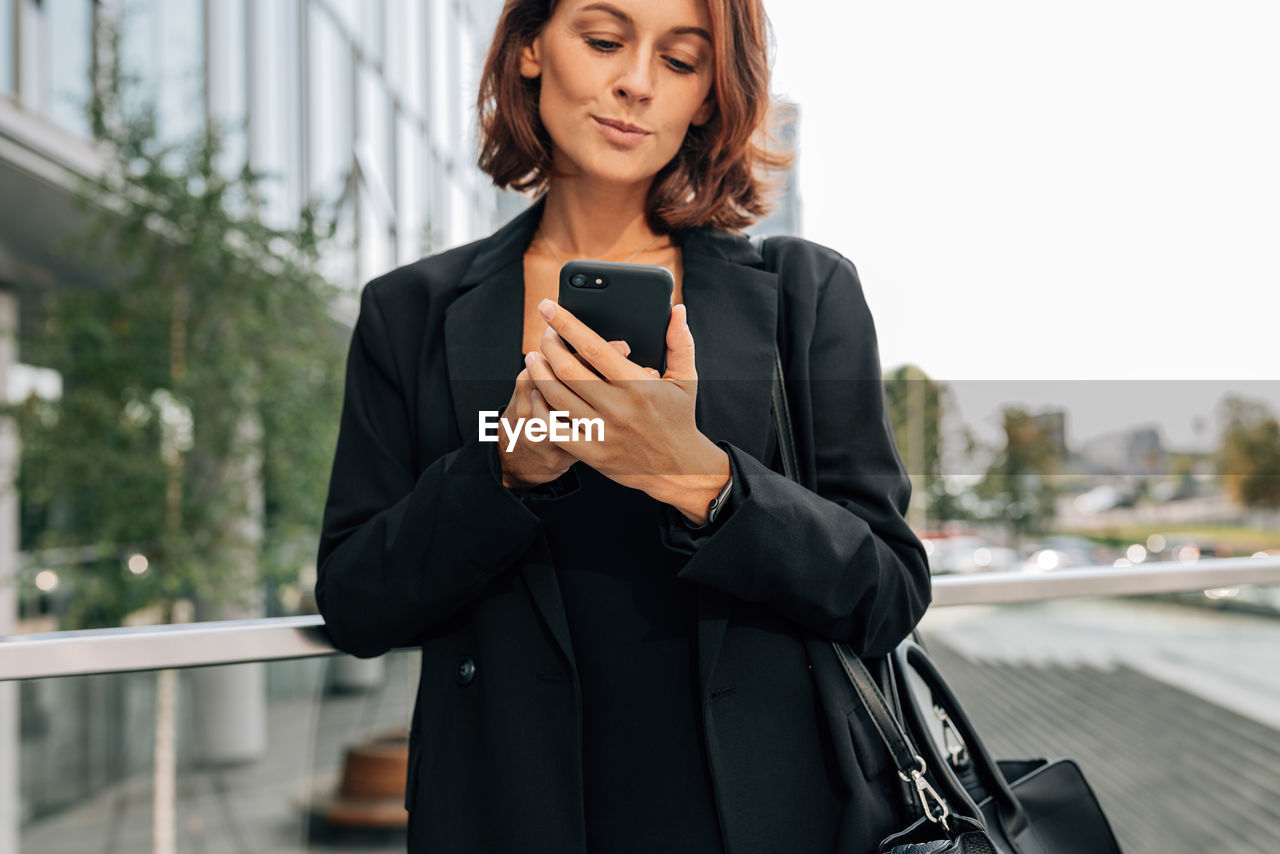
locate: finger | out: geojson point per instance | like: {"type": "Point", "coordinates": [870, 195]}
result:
{"type": "Point", "coordinates": [553, 390]}
{"type": "Point", "coordinates": [680, 361]}
{"type": "Point", "coordinates": [540, 410]}
{"type": "Point", "coordinates": [653, 372]}
{"type": "Point", "coordinates": [575, 372]}
{"type": "Point", "coordinates": [593, 348]}
{"type": "Point", "coordinates": [621, 346]}
{"type": "Point", "coordinates": [519, 405]}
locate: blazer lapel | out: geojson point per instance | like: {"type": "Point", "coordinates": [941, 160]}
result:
{"type": "Point", "coordinates": [733, 315]}
{"type": "Point", "coordinates": [483, 328]}
{"type": "Point", "coordinates": [484, 324]}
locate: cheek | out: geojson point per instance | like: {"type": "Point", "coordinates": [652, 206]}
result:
{"type": "Point", "coordinates": [682, 119]}
{"type": "Point", "coordinates": [565, 81]}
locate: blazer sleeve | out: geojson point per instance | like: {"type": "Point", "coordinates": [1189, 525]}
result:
{"type": "Point", "coordinates": [841, 562]}
{"type": "Point", "coordinates": [402, 551]}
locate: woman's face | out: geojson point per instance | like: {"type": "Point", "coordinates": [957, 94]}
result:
{"type": "Point", "coordinates": [622, 81]}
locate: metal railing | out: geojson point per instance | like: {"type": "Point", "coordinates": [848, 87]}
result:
{"type": "Point", "coordinates": [74, 653]}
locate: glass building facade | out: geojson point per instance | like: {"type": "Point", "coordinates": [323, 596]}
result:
{"type": "Point", "coordinates": [362, 105]}
{"type": "Point", "coordinates": [366, 104]}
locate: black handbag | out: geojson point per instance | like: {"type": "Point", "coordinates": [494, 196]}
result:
{"type": "Point", "coordinates": [1032, 806]}
{"type": "Point", "coordinates": [939, 830]}
{"type": "Point", "coordinates": [970, 803]}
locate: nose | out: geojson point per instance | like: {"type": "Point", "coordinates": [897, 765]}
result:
{"type": "Point", "coordinates": [636, 80]}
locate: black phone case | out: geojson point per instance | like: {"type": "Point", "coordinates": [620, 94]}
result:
{"type": "Point", "coordinates": [622, 302]}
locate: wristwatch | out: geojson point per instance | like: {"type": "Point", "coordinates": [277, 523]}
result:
{"type": "Point", "coordinates": [718, 503]}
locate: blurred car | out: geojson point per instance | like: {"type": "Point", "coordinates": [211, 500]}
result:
{"type": "Point", "coordinates": [966, 553]}
{"type": "Point", "coordinates": [1100, 499]}
{"type": "Point", "coordinates": [1060, 552]}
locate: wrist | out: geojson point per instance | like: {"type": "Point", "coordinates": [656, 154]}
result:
{"type": "Point", "coordinates": [692, 494]}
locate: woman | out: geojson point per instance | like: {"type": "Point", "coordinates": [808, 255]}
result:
{"type": "Point", "coordinates": [608, 665]}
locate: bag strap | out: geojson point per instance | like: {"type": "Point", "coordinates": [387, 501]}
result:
{"type": "Point", "coordinates": [912, 657]}
{"type": "Point", "coordinates": [911, 767]}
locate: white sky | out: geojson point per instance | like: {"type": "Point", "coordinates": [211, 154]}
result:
{"type": "Point", "coordinates": [1068, 191]}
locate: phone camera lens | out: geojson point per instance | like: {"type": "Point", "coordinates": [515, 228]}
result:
{"type": "Point", "coordinates": [578, 280]}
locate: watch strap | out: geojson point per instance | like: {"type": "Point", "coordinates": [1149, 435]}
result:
{"type": "Point", "coordinates": [717, 504]}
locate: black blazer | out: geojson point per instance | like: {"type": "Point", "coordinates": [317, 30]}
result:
{"type": "Point", "coordinates": [422, 545]}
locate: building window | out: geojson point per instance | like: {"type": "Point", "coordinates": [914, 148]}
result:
{"type": "Point", "coordinates": [411, 191]}
{"type": "Point", "coordinates": [405, 56]}
{"type": "Point", "coordinates": [348, 14]}
{"type": "Point", "coordinates": [67, 52]}
{"type": "Point", "coordinates": [228, 59]}
{"type": "Point", "coordinates": [371, 29]}
{"type": "Point", "coordinates": [273, 114]}
{"type": "Point", "coordinates": [330, 83]}
{"type": "Point", "coordinates": [374, 129]}
{"type": "Point", "coordinates": [377, 252]}
{"type": "Point", "coordinates": [7, 54]}
{"type": "Point", "coordinates": [441, 75]}
{"type": "Point", "coordinates": [163, 43]}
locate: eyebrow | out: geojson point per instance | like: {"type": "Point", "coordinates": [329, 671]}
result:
{"type": "Point", "coordinates": [626, 19]}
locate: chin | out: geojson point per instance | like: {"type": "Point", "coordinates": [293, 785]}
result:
{"type": "Point", "coordinates": [622, 169]}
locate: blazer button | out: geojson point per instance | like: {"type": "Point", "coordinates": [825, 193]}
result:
{"type": "Point", "coordinates": [466, 670]}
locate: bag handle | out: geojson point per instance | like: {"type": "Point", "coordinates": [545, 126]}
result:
{"type": "Point", "coordinates": [911, 656]}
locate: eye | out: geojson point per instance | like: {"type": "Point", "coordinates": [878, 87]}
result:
{"type": "Point", "coordinates": [603, 45]}
{"type": "Point", "coordinates": [681, 67]}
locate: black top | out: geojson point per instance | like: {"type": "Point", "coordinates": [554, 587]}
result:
{"type": "Point", "coordinates": [632, 624]}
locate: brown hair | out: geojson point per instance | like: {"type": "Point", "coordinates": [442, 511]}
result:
{"type": "Point", "coordinates": [714, 179]}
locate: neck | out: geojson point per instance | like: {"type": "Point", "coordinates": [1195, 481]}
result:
{"type": "Point", "coordinates": [595, 221]}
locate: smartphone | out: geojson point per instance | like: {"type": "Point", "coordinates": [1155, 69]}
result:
{"type": "Point", "coordinates": [622, 302]}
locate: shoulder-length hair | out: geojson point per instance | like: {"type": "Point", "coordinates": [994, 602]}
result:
{"type": "Point", "coordinates": [714, 179]}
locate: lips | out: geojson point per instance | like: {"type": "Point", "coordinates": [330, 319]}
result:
{"type": "Point", "coordinates": [622, 126]}
{"type": "Point", "coordinates": [621, 133]}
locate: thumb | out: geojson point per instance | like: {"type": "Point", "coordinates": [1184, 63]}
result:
{"type": "Point", "coordinates": [680, 361]}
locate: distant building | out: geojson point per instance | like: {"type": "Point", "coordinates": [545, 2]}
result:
{"type": "Point", "coordinates": [1053, 428]}
{"type": "Point", "coordinates": [785, 216]}
{"type": "Point", "coordinates": [1127, 452]}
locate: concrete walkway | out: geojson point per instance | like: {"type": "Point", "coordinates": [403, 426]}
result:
{"type": "Point", "coordinates": [1171, 712]}
{"type": "Point", "coordinates": [255, 808]}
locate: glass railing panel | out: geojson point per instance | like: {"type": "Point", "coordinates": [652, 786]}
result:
{"type": "Point", "coordinates": [281, 756]}
{"type": "Point", "coordinates": [1171, 708]}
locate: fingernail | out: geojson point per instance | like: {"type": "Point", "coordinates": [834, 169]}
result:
{"type": "Point", "coordinates": [547, 308]}
{"type": "Point", "coordinates": [528, 358]}
{"type": "Point", "coordinates": [628, 347]}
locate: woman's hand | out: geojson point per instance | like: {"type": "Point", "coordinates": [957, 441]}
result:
{"type": "Point", "coordinates": [651, 439]}
{"type": "Point", "coordinates": [531, 463]}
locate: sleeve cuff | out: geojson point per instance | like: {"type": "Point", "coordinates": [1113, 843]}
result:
{"type": "Point", "coordinates": [565, 484]}
{"type": "Point", "coordinates": [678, 534]}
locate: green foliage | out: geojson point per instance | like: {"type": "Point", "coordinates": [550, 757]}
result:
{"type": "Point", "coordinates": [1018, 485]}
{"type": "Point", "coordinates": [201, 381]}
{"type": "Point", "coordinates": [1249, 459]}
{"type": "Point", "coordinates": [900, 385]}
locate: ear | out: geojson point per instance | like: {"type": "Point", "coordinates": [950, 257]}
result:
{"type": "Point", "coordinates": [531, 58]}
{"type": "Point", "coordinates": [705, 111]}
